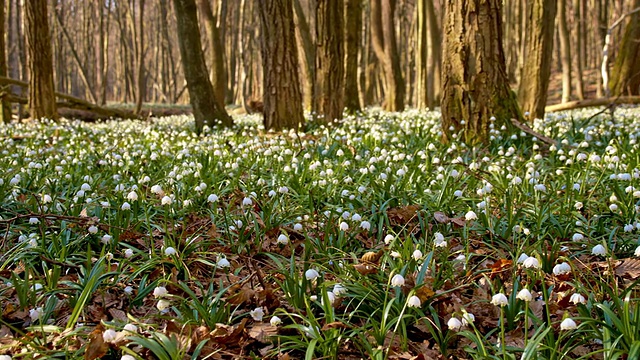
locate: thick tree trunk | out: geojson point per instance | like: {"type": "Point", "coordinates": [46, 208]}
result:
{"type": "Point", "coordinates": [329, 94]}
{"type": "Point", "coordinates": [435, 57]}
{"type": "Point", "coordinates": [282, 98]}
{"type": "Point", "coordinates": [565, 50]}
{"type": "Point", "coordinates": [5, 107]}
{"type": "Point", "coordinates": [352, 33]}
{"type": "Point", "coordinates": [475, 84]}
{"type": "Point", "coordinates": [625, 75]}
{"type": "Point", "coordinates": [307, 54]}
{"type": "Point", "coordinates": [203, 101]}
{"type": "Point", "coordinates": [384, 44]}
{"type": "Point", "coordinates": [532, 94]}
{"type": "Point", "coordinates": [216, 52]}
{"type": "Point", "coordinates": [42, 102]}
{"type": "Point", "coordinates": [422, 59]}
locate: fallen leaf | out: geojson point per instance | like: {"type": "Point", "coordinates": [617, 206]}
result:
{"type": "Point", "coordinates": [262, 332]}
{"type": "Point", "coordinates": [96, 348]}
{"type": "Point", "coordinates": [371, 257]}
{"type": "Point", "coordinates": [228, 335]}
{"type": "Point", "coordinates": [441, 217]}
{"type": "Point", "coordinates": [365, 269]}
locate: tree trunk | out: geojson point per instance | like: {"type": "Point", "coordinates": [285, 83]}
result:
{"type": "Point", "coordinates": [352, 36]}
{"type": "Point", "coordinates": [42, 101]}
{"type": "Point", "coordinates": [435, 57]}
{"type": "Point", "coordinates": [475, 84]}
{"type": "Point", "coordinates": [532, 94]}
{"type": "Point", "coordinates": [383, 38]}
{"type": "Point", "coordinates": [579, 45]}
{"type": "Point", "coordinates": [203, 101]}
{"type": "Point", "coordinates": [141, 81]}
{"type": "Point", "coordinates": [422, 60]}
{"type": "Point", "coordinates": [282, 98]}
{"type": "Point", "coordinates": [5, 107]}
{"type": "Point", "coordinates": [565, 50]}
{"type": "Point", "coordinates": [329, 60]}
{"type": "Point", "coordinates": [307, 53]}
{"type": "Point", "coordinates": [216, 52]}
{"type": "Point", "coordinates": [625, 75]}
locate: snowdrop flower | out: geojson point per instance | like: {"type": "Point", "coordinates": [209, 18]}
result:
{"type": "Point", "coordinates": [212, 198]}
{"type": "Point", "coordinates": [257, 314]}
{"type": "Point", "coordinates": [457, 193]}
{"type": "Point", "coordinates": [499, 299]}
{"type": "Point", "coordinates": [388, 239]}
{"type": "Point", "coordinates": [163, 305]}
{"type": "Point", "coordinates": [170, 251]}
{"type": "Point", "coordinates": [568, 324]}
{"type": "Point", "coordinates": [395, 254]}
{"type": "Point", "coordinates": [160, 291]}
{"type": "Point", "coordinates": [132, 196]}
{"type": "Point", "coordinates": [613, 207]}
{"type": "Point", "coordinates": [46, 198]}
{"type": "Point", "coordinates": [5, 357]}
{"type": "Point", "coordinates": [156, 189]}
{"type": "Point", "coordinates": [311, 274]}
{"type": "Point", "coordinates": [599, 250]}
{"type": "Point", "coordinates": [247, 201]}
{"type": "Point", "coordinates": [35, 314]}
{"type": "Point", "coordinates": [417, 255]}
{"type": "Point", "coordinates": [93, 229]}
{"type": "Point", "coordinates": [331, 297]}
{"type": "Point", "coordinates": [577, 299]}
{"type": "Point", "coordinates": [85, 187]}
{"type": "Point", "coordinates": [125, 206]}
{"type": "Point", "coordinates": [338, 289]}
{"type": "Point", "coordinates": [531, 263]}
{"type": "Point", "coordinates": [344, 226]}
{"type": "Point", "coordinates": [467, 318]}
{"type": "Point", "coordinates": [414, 301]}
{"type": "Point", "coordinates": [578, 205]}
{"type": "Point", "coordinates": [577, 237]}
{"type": "Point", "coordinates": [470, 216]}
{"type": "Point", "coordinates": [637, 252]}
{"type": "Point", "coordinates": [166, 200]}
{"type": "Point", "coordinates": [109, 335]}
{"type": "Point", "coordinates": [524, 295]}
{"type": "Point", "coordinates": [365, 225]}
{"type": "Point", "coordinates": [275, 321]}
{"type": "Point", "coordinates": [356, 217]}
{"type": "Point", "coordinates": [128, 253]}
{"type": "Point", "coordinates": [297, 227]}
{"type": "Point", "coordinates": [108, 256]}
{"type": "Point", "coordinates": [127, 357]}
{"type": "Point", "coordinates": [628, 228]}
{"type": "Point", "coordinates": [561, 269]}
{"type": "Point", "coordinates": [397, 280]}
{"type": "Point", "coordinates": [128, 290]}
{"type": "Point", "coordinates": [540, 187]}
{"type": "Point", "coordinates": [522, 258]}
{"type": "Point", "coordinates": [130, 328]}
{"type": "Point", "coordinates": [223, 263]}
{"type": "Point", "coordinates": [454, 324]}
{"type": "Point", "coordinates": [283, 239]}
{"type": "Point", "coordinates": [34, 220]}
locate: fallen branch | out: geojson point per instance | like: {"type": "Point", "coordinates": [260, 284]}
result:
{"type": "Point", "coordinates": [72, 102]}
{"type": "Point", "coordinates": [530, 131]}
{"type": "Point", "coordinates": [632, 100]}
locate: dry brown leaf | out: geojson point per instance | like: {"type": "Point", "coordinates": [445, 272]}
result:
{"type": "Point", "coordinates": [402, 215]}
{"type": "Point", "coordinates": [262, 332]}
{"type": "Point", "coordinates": [240, 295]}
{"type": "Point", "coordinates": [365, 269]}
{"type": "Point", "coordinates": [229, 335]}
{"type": "Point", "coordinates": [371, 257]}
{"type": "Point", "coordinates": [629, 268]}
{"type": "Point", "coordinates": [441, 217]}
{"type": "Point", "coordinates": [500, 266]}
{"type": "Point", "coordinates": [119, 315]}
{"type": "Point", "coordinates": [334, 325]}
{"type": "Point", "coordinates": [96, 348]}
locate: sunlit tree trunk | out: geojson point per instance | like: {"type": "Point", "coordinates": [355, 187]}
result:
{"type": "Point", "coordinates": [565, 50]}
{"type": "Point", "coordinates": [352, 36]}
{"type": "Point", "coordinates": [625, 75]}
{"type": "Point", "coordinates": [329, 93]}
{"type": "Point", "coordinates": [216, 52]}
{"type": "Point", "coordinates": [475, 84]}
{"type": "Point", "coordinates": [383, 38]}
{"type": "Point", "coordinates": [5, 107]}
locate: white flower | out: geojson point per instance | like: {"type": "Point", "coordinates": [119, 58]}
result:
{"type": "Point", "coordinates": [109, 335]}
{"type": "Point", "coordinates": [499, 299]}
{"type": "Point", "coordinates": [125, 206]}
{"type": "Point", "coordinates": [170, 251]}
{"type": "Point", "coordinates": [46, 198]}
{"type": "Point", "coordinates": [156, 189]}
{"type": "Point", "coordinates": [5, 357]}
{"type": "Point", "coordinates": [160, 291]}
{"type": "Point", "coordinates": [163, 305]}
{"type": "Point", "coordinates": [344, 226]}
{"type": "Point", "coordinates": [35, 314]}
{"type": "Point", "coordinates": [106, 239]}
{"type": "Point", "coordinates": [283, 239]}
{"type": "Point", "coordinates": [133, 196]}
{"type": "Point", "coordinates": [577, 299]}
{"type": "Point", "coordinates": [577, 237]}
{"type": "Point", "coordinates": [223, 263]}
{"type": "Point", "coordinates": [397, 280]}
{"type": "Point", "coordinates": [454, 324]}
{"type": "Point", "coordinates": [128, 290]}
{"type": "Point", "coordinates": [297, 227]}
{"type": "Point", "coordinates": [531, 263]}
{"type": "Point", "coordinates": [561, 269]}
{"type": "Point", "coordinates": [166, 200]}
{"type": "Point", "coordinates": [311, 274]}
{"type": "Point", "coordinates": [275, 321]}
{"type": "Point", "coordinates": [212, 198]}
{"type": "Point", "coordinates": [457, 193]}
{"type": "Point", "coordinates": [34, 220]}
{"type": "Point", "coordinates": [637, 252]}
{"type": "Point", "coordinates": [522, 258]}
{"type": "Point", "coordinates": [247, 201]}
{"type": "Point", "coordinates": [467, 318]}
{"type": "Point", "coordinates": [365, 225]}
{"type": "Point", "coordinates": [414, 301]}
{"type": "Point", "coordinates": [578, 205]}
{"type": "Point", "coordinates": [540, 187]}
{"type": "Point", "coordinates": [128, 253]}
{"type": "Point", "coordinates": [613, 207]}
{"type": "Point", "coordinates": [127, 357]}
{"type": "Point", "coordinates": [524, 295]}
{"type": "Point", "coordinates": [331, 297]}
{"type": "Point", "coordinates": [388, 239]}
{"type": "Point", "coordinates": [338, 289]}
{"type": "Point", "coordinates": [568, 324]}
{"type": "Point", "coordinates": [131, 328]}
{"type": "Point", "coordinates": [85, 187]}
{"type": "Point", "coordinates": [257, 314]}
{"type": "Point", "coordinates": [599, 250]}
{"type": "Point", "coordinates": [108, 256]}
{"type": "Point", "coordinates": [470, 216]}
{"type": "Point", "coordinates": [93, 229]}
{"type": "Point", "coordinates": [417, 255]}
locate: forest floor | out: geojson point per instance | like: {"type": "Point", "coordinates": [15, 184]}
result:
{"type": "Point", "coordinates": [139, 240]}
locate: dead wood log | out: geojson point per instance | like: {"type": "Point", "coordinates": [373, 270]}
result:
{"type": "Point", "coordinates": [571, 105]}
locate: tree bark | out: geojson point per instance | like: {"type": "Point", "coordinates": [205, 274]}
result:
{"type": "Point", "coordinates": [435, 57]}
{"type": "Point", "coordinates": [578, 58]}
{"type": "Point", "coordinates": [475, 84]}
{"type": "Point", "coordinates": [625, 75]}
{"type": "Point", "coordinates": [565, 50]}
{"type": "Point", "coordinates": [422, 59]}
{"type": "Point", "coordinates": [383, 38]}
{"type": "Point", "coordinates": [5, 107]}
{"type": "Point", "coordinates": [352, 36]}
{"type": "Point", "coordinates": [218, 72]}
{"type": "Point", "coordinates": [307, 53]}
{"type": "Point", "coordinates": [532, 94]}
{"type": "Point", "coordinates": [329, 98]}
{"type": "Point", "coordinates": [282, 98]}
{"type": "Point", "coordinates": [42, 102]}
{"type": "Point", "coordinates": [205, 106]}
{"type": "Point", "coordinates": [141, 82]}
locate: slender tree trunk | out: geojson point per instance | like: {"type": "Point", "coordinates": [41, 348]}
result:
{"type": "Point", "coordinates": [475, 84]}
{"type": "Point", "coordinates": [42, 101]}
{"type": "Point", "coordinates": [435, 57]}
{"type": "Point", "coordinates": [579, 45]}
{"type": "Point", "coordinates": [5, 107]}
{"type": "Point", "coordinates": [142, 76]}
{"type": "Point", "coordinates": [352, 36]}
{"type": "Point", "coordinates": [565, 50]}
{"type": "Point", "coordinates": [282, 98]}
{"type": "Point", "coordinates": [625, 75]}
{"type": "Point", "coordinates": [422, 59]}
{"type": "Point", "coordinates": [534, 84]}
{"type": "Point", "coordinates": [329, 94]}
{"type": "Point", "coordinates": [205, 106]}
{"type": "Point", "coordinates": [216, 52]}
{"type": "Point", "coordinates": [307, 54]}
